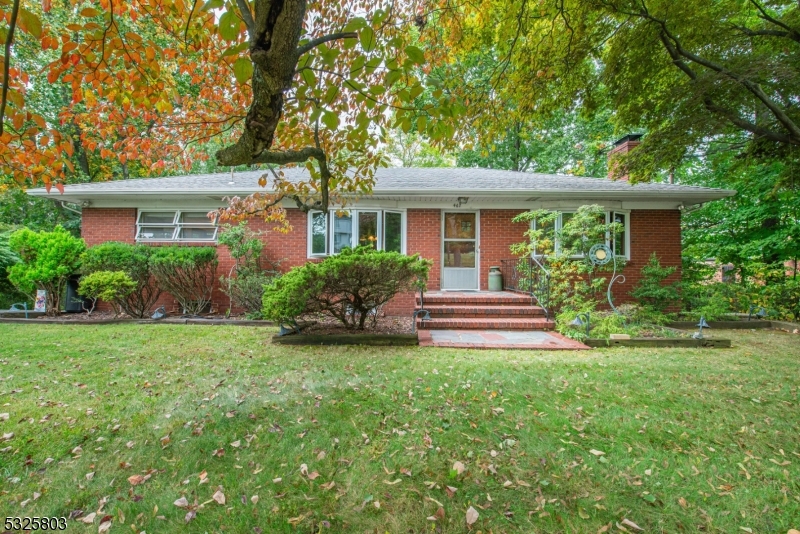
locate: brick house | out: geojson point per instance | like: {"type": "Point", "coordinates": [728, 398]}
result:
{"type": "Point", "coordinates": [457, 217]}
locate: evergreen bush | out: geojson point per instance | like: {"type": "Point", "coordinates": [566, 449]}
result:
{"type": "Point", "coordinates": [186, 273]}
{"type": "Point", "coordinates": [350, 286]}
{"type": "Point", "coordinates": [133, 260]}
{"type": "Point", "coordinates": [47, 259]}
{"type": "Point", "coordinates": [113, 287]}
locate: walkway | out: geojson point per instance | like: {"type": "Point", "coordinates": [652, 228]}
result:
{"type": "Point", "coordinates": [497, 339]}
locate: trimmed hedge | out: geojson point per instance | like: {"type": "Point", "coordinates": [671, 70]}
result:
{"type": "Point", "coordinates": [186, 273]}
{"type": "Point", "coordinates": [134, 260]}
{"type": "Point", "coordinates": [350, 286]}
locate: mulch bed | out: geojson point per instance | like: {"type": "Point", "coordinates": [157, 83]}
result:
{"type": "Point", "coordinates": [321, 324]}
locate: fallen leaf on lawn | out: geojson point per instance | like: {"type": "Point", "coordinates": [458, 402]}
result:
{"type": "Point", "coordinates": [747, 529]}
{"type": "Point", "coordinates": [48, 461]}
{"type": "Point", "coordinates": [88, 519]}
{"type": "Point", "coordinates": [304, 469]}
{"type": "Point", "coordinates": [90, 476]}
{"type": "Point", "coordinates": [254, 499]}
{"type": "Point", "coordinates": [219, 453]}
{"type": "Point", "coordinates": [458, 467]}
{"type": "Point", "coordinates": [440, 513]}
{"type": "Point", "coordinates": [105, 526]}
{"type": "Point", "coordinates": [36, 495]}
{"type": "Point", "coordinates": [135, 480]}
{"type": "Point", "coordinates": [472, 516]}
{"type": "Point", "coordinates": [8, 436]}
{"type": "Point", "coordinates": [450, 490]}
{"type": "Point", "coordinates": [628, 523]}
{"type": "Point", "coordinates": [393, 482]}
{"type": "Point", "coordinates": [793, 531]}
{"type": "Point", "coordinates": [189, 516]}
{"type": "Point", "coordinates": [276, 480]}
{"type": "Point", "coordinates": [328, 485]}
{"type": "Point", "coordinates": [596, 452]}
{"type": "Point", "coordinates": [507, 484]}
{"type": "Point", "coordinates": [683, 502]}
{"type": "Point", "coordinates": [236, 444]}
{"type": "Point", "coordinates": [181, 503]}
{"type": "Point", "coordinates": [604, 528]}
{"type": "Point", "coordinates": [296, 520]}
{"type": "Point", "coordinates": [321, 455]}
{"type": "Point", "coordinates": [313, 475]}
{"type": "Point", "coordinates": [776, 462]}
{"type": "Point", "coordinates": [203, 477]}
{"type": "Point", "coordinates": [130, 444]}
{"type": "Point", "coordinates": [4, 417]}
{"type": "Point", "coordinates": [582, 513]}
{"type": "Point", "coordinates": [498, 410]}
{"type": "Point", "coordinates": [523, 484]}
{"type": "Point", "coordinates": [219, 497]}
{"type": "Point", "coordinates": [165, 441]}
{"type": "Point", "coordinates": [406, 472]}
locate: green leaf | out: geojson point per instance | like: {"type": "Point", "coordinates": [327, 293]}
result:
{"type": "Point", "coordinates": [30, 23]}
{"type": "Point", "coordinates": [235, 50]}
{"type": "Point", "coordinates": [367, 38]}
{"type": "Point", "coordinates": [229, 26]}
{"type": "Point", "coordinates": [331, 120]}
{"type": "Point", "coordinates": [354, 25]}
{"type": "Point", "coordinates": [243, 70]}
{"type": "Point", "coordinates": [415, 54]}
{"type": "Point", "coordinates": [309, 77]}
{"type": "Point", "coordinates": [211, 4]}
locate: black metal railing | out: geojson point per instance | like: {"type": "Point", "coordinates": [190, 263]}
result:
{"type": "Point", "coordinates": [528, 276]}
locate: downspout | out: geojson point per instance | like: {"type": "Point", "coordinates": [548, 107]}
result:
{"type": "Point", "coordinates": [64, 205]}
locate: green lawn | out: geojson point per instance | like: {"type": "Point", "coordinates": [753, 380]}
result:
{"type": "Point", "coordinates": [692, 440]}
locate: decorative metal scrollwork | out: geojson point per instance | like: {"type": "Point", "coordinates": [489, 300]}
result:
{"type": "Point", "coordinates": [601, 254]}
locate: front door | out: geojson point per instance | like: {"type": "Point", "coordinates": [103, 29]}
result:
{"type": "Point", "coordinates": [460, 250]}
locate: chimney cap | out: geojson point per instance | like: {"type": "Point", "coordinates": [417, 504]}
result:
{"type": "Point", "coordinates": [629, 137]}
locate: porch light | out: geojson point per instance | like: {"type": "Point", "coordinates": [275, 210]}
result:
{"type": "Point", "coordinates": [702, 324]}
{"type": "Point", "coordinates": [582, 319]}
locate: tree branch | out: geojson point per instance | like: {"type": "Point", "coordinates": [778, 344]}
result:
{"type": "Point", "coordinates": [675, 50]}
{"type": "Point", "coordinates": [7, 61]}
{"type": "Point", "coordinates": [764, 15]}
{"type": "Point", "coordinates": [247, 17]}
{"type": "Point", "coordinates": [313, 43]}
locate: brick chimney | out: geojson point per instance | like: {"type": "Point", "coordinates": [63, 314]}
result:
{"type": "Point", "coordinates": [623, 146]}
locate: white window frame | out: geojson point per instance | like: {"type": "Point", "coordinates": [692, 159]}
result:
{"type": "Point", "coordinates": [177, 226]}
{"type": "Point", "coordinates": [354, 213]}
{"type": "Point", "coordinates": [608, 240]}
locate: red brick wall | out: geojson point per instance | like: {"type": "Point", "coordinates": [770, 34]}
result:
{"type": "Point", "coordinates": [498, 233]}
{"type": "Point", "coordinates": [424, 229]}
{"type": "Point", "coordinates": [656, 231]}
{"type": "Point", "coordinates": [651, 231]}
{"type": "Point", "coordinates": [99, 225]}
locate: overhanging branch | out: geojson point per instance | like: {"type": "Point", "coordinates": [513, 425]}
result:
{"type": "Point", "coordinates": [313, 43]}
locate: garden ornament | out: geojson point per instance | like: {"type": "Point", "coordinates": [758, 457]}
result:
{"type": "Point", "coordinates": [761, 313]}
{"type": "Point", "coordinates": [702, 324]}
{"type": "Point", "coordinates": [160, 313]}
{"type": "Point", "coordinates": [601, 254]}
{"type": "Point", "coordinates": [582, 319]}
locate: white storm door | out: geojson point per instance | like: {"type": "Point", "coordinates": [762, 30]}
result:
{"type": "Point", "coordinates": [460, 250]}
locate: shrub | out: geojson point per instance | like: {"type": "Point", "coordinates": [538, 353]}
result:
{"type": "Point", "coordinates": [8, 294]}
{"type": "Point", "coordinates": [349, 286]}
{"type": "Point", "coordinates": [652, 291]}
{"type": "Point", "coordinates": [784, 298]}
{"type": "Point", "coordinates": [246, 281]}
{"type": "Point", "coordinates": [47, 259]}
{"type": "Point", "coordinates": [574, 282]}
{"type": "Point", "coordinates": [113, 287]}
{"type": "Point", "coordinates": [134, 260]}
{"type": "Point", "coordinates": [186, 273]}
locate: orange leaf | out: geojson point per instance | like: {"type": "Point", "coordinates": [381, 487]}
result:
{"type": "Point", "coordinates": [60, 187]}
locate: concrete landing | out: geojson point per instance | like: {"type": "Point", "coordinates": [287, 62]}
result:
{"type": "Point", "coordinates": [497, 339]}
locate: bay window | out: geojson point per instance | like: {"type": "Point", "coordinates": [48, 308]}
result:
{"type": "Point", "coordinates": [619, 242]}
{"type": "Point", "coordinates": [380, 229]}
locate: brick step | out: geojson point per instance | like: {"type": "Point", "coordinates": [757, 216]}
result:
{"type": "Point", "coordinates": [487, 299]}
{"type": "Point", "coordinates": [482, 311]}
{"type": "Point", "coordinates": [486, 324]}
